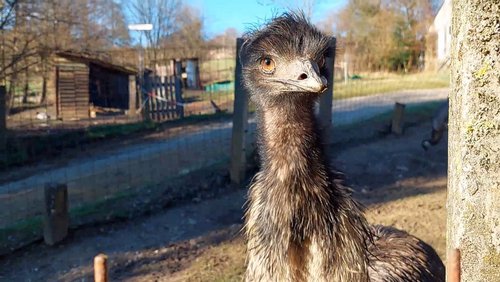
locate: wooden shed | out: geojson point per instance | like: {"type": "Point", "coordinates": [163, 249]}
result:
{"type": "Point", "coordinates": [83, 82]}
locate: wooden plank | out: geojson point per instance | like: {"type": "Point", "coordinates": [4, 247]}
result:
{"type": "Point", "coordinates": [240, 123]}
{"type": "Point", "coordinates": [157, 102]}
{"type": "Point", "coordinates": [73, 96]}
{"type": "Point", "coordinates": [74, 99]}
{"type": "Point", "coordinates": [147, 103]}
{"type": "Point", "coordinates": [178, 89]}
{"type": "Point", "coordinates": [77, 98]}
{"type": "Point", "coordinates": [153, 99]}
{"type": "Point", "coordinates": [171, 106]}
{"type": "Point", "coordinates": [163, 105]}
{"type": "Point", "coordinates": [162, 95]}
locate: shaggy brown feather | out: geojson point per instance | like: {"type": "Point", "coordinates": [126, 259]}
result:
{"type": "Point", "coordinates": [302, 223]}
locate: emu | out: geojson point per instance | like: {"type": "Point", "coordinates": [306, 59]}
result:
{"type": "Point", "coordinates": [302, 223]}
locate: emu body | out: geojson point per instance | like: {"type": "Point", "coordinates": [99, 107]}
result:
{"type": "Point", "coordinates": [302, 223]}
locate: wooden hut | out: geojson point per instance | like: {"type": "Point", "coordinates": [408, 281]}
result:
{"type": "Point", "coordinates": [82, 82]}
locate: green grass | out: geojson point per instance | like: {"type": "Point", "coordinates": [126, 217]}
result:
{"type": "Point", "coordinates": [207, 96]}
{"type": "Point", "coordinates": [371, 84]}
{"type": "Point", "coordinates": [217, 65]}
{"type": "Point", "coordinates": [103, 209]}
{"type": "Point", "coordinates": [20, 233]}
{"type": "Point", "coordinates": [30, 225]}
{"type": "Point", "coordinates": [221, 69]}
{"type": "Point", "coordinates": [413, 113]}
{"type": "Point", "coordinates": [118, 130]}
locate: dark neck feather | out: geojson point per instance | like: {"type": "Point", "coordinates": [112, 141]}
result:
{"type": "Point", "coordinates": [289, 141]}
{"type": "Point", "coordinates": [294, 200]}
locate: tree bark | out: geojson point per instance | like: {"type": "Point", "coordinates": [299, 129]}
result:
{"type": "Point", "coordinates": [474, 140]}
{"type": "Point", "coordinates": [26, 88]}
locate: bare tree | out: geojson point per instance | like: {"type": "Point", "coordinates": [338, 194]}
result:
{"type": "Point", "coordinates": [383, 34]}
{"type": "Point", "coordinates": [162, 14]}
{"type": "Point", "coordinates": [7, 13]}
{"type": "Point", "coordinates": [18, 44]}
{"type": "Point", "coordinates": [33, 30]}
{"type": "Point", "coordinates": [188, 38]}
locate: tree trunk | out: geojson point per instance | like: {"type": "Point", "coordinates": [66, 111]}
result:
{"type": "Point", "coordinates": [43, 99]}
{"type": "Point", "coordinates": [11, 93]}
{"type": "Point", "coordinates": [474, 142]}
{"type": "Point", "coordinates": [44, 59]}
{"type": "Point", "coordinates": [26, 87]}
{"type": "Point", "coordinates": [3, 125]}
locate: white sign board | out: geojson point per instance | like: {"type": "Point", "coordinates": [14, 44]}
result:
{"type": "Point", "coordinates": [140, 26]}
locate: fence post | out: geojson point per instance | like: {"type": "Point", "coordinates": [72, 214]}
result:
{"type": "Point", "coordinates": [398, 118]}
{"type": "Point", "coordinates": [178, 89]}
{"type": "Point", "coordinates": [240, 124]}
{"type": "Point", "coordinates": [132, 98]}
{"type": "Point", "coordinates": [145, 89]}
{"type": "Point", "coordinates": [55, 214]}
{"type": "Point", "coordinates": [3, 123]}
{"type": "Point", "coordinates": [101, 268]}
{"type": "Point", "coordinates": [473, 202]}
{"type": "Point", "coordinates": [325, 101]}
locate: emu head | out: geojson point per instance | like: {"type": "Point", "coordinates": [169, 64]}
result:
{"type": "Point", "coordinates": [285, 60]}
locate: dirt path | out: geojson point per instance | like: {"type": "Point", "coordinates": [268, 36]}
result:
{"type": "Point", "coordinates": [400, 183]}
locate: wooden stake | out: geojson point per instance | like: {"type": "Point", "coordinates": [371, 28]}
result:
{"type": "Point", "coordinates": [101, 268]}
{"type": "Point", "coordinates": [398, 119]}
{"type": "Point", "coordinates": [240, 124]}
{"type": "Point", "coordinates": [55, 213]}
{"type": "Point", "coordinates": [453, 266]}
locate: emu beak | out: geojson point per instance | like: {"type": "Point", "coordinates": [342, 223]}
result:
{"type": "Point", "coordinates": [304, 75]}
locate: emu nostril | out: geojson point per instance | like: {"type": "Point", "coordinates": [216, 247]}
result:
{"type": "Point", "coordinates": [303, 76]}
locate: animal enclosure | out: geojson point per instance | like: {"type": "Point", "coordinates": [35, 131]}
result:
{"type": "Point", "coordinates": [108, 160]}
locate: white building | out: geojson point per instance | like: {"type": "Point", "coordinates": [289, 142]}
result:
{"type": "Point", "coordinates": [441, 27]}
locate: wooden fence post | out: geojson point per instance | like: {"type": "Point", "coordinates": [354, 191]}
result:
{"type": "Point", "coordinates": [3, 123]}
{"type": "Point", "coordinates": [326, 100]}
{"type": "Point", "coordinates": [178, 89]}
{"type": "Point", "coordinates": [473, 202]}
{"type": "Point", "coordinates": [146, 89]}
{"type": "Point", "coordinates": [132, 98]}
{"type": "Point", "coordinates": [55, 214]}
{"type": "Point", "coordinates": [398, 118]}
{"type": "Point", "coordinates": [101, 268]}
{"type": "Point", "coordinates": [240, 124]}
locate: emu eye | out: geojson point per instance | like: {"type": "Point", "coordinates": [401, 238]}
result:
{"type": "Point", "coordinates": [267, 65]}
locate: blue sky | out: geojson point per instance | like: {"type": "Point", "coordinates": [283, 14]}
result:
{"type": "Point", "coordinates": [241, 14]}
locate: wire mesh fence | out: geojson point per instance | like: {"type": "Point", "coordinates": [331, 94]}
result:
{"type": "Point", "coordinates": [119, 150]}
{"type": "Point", "coordinates": [124, 146]}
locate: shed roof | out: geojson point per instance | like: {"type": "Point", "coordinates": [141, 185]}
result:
{"type": "Point", "coordinates": [87, 58]}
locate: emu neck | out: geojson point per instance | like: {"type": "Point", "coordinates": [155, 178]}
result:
{"type": "Point", "coordinates": [289, 141]}
{"type": "Point", "coordinates": [301, 224]}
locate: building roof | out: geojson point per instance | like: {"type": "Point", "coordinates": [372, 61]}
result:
{"type": "Point", "coordinates": [87, 58]}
